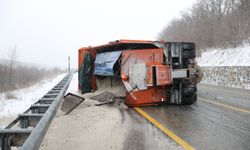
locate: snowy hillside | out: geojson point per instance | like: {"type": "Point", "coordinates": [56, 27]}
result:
{"type": "Point", "coordinates": [226, 68]}
{"type": "Point", "coordinates": [26, 96]}
{"type": "Point", "coordinates": [239, 56]}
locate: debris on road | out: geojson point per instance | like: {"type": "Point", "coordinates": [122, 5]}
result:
{"type": "Point", "coordinates": [104, 97]}
{"type": "Point", "coordinates": [71, 101]}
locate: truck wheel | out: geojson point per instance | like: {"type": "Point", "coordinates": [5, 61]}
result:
{"type": "Point", "coordinates": [189, 54]}
{"type": "Point", "coordinates": [189, 50]}
{"type": "Point", "coordinates": [189, 90]}
{"type": "Point", "coordinates": [188, 46]}
{"type": "Point", "coordinates": [188, 100]}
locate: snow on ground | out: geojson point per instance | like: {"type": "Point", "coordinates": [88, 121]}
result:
{"type": "Point", "coordinates": [25, 97]}
{"type": "Point", "coordinates": [239, 56]}
{"type": "Point", "coordinates": [227, 67]}
{"type": "Point", "coordinates": [73, 86]}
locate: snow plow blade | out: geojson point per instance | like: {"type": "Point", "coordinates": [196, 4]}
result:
{"type": "Point", "coordinates": [71, 101]}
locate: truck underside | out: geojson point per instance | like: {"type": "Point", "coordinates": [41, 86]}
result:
{"type": "Point", "coordinates": [152, 72]}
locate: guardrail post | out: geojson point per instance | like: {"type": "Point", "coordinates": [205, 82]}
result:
{"type": "Point", "coordinates": [24, 122]}
{"type": "Point", "coordinates": [5, 142]}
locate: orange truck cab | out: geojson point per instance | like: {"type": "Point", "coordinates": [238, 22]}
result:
{"type": "Point", "coordinates": [152, 72]}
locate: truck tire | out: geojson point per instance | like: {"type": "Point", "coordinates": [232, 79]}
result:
{"type": "Point", "coordinates": [188, 46]}
{"type": "Point", "coordinates": [189, 95]}
{"type": "Point", "coordinates": [189, 90]}
{"type": "Point", "coordinates": [188, 100]}
{"type": "Point", "coordinates": [188, 50]}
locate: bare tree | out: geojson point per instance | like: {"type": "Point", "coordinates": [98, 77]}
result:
{"type": "Point", "coordinates": [13, 76]}
{"type": "Point", "coordinates": [11, 64]}
{"type": "Point", "coordinates": [212, 24]}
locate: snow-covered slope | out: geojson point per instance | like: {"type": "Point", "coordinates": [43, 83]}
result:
{"type": "Point", "coordinates": [239, 56]}
{"type": "Point", "coordinates": [227, 67]}
{"type": "Point", "coordinates": [26, 96]}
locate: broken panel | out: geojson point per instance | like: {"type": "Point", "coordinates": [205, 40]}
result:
{"type": "Point", "coordinates": [104, 63]}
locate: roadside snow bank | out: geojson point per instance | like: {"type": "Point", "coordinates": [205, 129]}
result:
{"type": "Point", "coordinates": [26, 96]}
{"type": "Point", "coordinates": [226, 68]}
{"type": "Point", "coordinates": [239, 56]}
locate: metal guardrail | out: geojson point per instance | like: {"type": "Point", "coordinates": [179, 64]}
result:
{"type": "Point", "coordinates": [35, 121]}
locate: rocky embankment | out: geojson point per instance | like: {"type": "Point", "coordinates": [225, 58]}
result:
{"type": "Point", "coordinates": [227, 76]}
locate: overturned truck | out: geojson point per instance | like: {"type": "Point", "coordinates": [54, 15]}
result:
{"type": "Point", "coordinates": [152, 72]}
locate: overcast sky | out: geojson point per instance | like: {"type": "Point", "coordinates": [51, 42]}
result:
{"type": "Point", "coordinates": [48, 31]}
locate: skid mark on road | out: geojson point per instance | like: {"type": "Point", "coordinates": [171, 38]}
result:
{"type": "Point", "coordinates": [224, 105]}
{"type": "Point", "coordinates": [165, 130]}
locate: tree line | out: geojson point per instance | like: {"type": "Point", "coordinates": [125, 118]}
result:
{"type": "Point", "coordinates": [14, 75]}
{"type": "Point", "coordinates": [212, 24]}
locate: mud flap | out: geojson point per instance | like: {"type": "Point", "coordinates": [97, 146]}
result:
{"type": "Point", "coordinates": [70, 102]}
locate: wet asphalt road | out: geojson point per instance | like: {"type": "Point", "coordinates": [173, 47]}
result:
{"type": "Point", "coordinates": [208, 126]}
{"type": "Point", "coordinates": [204, 125]}
{"type": "Point", "coordinates": [142, 135]}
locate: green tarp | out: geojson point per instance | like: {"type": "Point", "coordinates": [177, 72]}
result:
{"type": "Point", "coordinates": [84, 73]}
